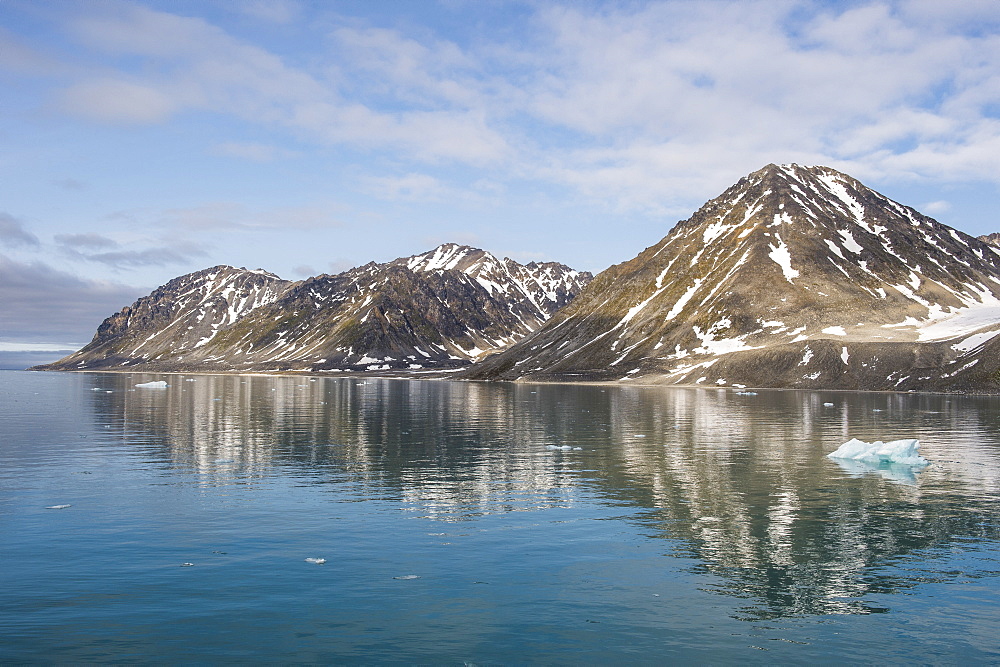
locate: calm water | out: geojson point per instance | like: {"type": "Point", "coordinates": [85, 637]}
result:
{"type": "Point", "coordinates": [684, 524]}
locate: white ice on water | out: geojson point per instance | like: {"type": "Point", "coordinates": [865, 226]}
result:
{"type": "Point", "coordinates": [904, 452]}
{"type": "Point", "coordinates": [156, 384]}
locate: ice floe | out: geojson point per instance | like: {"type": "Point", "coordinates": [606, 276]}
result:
{"type": "Point", "coordinates": [156, 384]}
{"type": "Point", "coordinates": [903, 452]}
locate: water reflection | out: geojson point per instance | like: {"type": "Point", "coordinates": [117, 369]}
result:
{"type": "Point", "coordinates": [739, 483]}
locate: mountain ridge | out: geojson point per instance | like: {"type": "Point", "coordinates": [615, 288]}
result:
{"type": "Point", "coordinates": [441, 309]}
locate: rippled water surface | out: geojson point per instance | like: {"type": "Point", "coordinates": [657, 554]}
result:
{"type": "Point", "coordinates": [488, 523]}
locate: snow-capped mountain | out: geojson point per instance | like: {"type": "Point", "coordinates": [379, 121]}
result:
{"type": "Point", "coordinates": [444, 308]}
{"type": "Point", "coordinates": [180, 317]}
{"type": "Point", "coordinates": [795, 276]}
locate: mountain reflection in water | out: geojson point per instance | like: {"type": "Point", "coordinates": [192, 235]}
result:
{"type": "Point", "coordinates": [738, 483]}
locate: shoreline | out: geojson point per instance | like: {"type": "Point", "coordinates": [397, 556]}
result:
{"type": "Point", "coordinates": [443, 375]}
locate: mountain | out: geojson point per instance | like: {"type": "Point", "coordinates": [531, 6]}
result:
{"type": "Point", "coordinates": [793, 277]}
{"type": "Point", "coordinates": [442, 309]}
{"type": "Point", "coordinates": [992, 239]}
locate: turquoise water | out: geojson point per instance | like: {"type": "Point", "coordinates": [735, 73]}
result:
{"type": "Point", "coordinates": [680, 524]}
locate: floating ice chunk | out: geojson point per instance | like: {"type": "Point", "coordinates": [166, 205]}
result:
{"type": "Point", "coordinates": [407, 576]}
{"type": "Point", "coordinates": [57, 507]}
{"type": "Point", "coordinates": [897, 451]}
{"type": "Point", "coordinates": [317, 561]}
{"type": "Point", "coordinates": [156, 384]}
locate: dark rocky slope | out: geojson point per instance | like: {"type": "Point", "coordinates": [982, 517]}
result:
{"type": "Point", "coordinates": [440, 310]}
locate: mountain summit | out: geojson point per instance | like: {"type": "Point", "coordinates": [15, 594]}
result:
{"type": "Point", "coordinates": [794, 276]}
{"type": "Point", "coordinates": [438, 310]}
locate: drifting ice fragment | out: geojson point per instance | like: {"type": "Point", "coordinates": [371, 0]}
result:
{"type": "Point", "coordinates": [156, 384]}
{"type": "Point", "coordinates": [57, 507]}
{"type": "Point", "coordinates": [317, 561]}
{"type": "Point", "coordinates": [898, 451]}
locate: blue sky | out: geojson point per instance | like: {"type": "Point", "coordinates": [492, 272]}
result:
{"type": "Point", "coordinates": [144, 140]}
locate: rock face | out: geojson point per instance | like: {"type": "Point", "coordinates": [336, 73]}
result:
{"type": "Point", "coordinates": [793, 277]}
{"type": "Point", "coordinates": [992, 239]}
{"type": "Point", "coordinates": [443, 309]}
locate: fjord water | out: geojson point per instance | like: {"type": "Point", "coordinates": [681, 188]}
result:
{"type": "Point", "coordinates": [495, 523]}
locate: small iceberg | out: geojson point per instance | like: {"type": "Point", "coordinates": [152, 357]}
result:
{"type": "Point", "coordinates": [902, 452]}
{"type": "Point", "coordinates": [316, 561]}
{"type": "Point", "coordinates": [156, 384]}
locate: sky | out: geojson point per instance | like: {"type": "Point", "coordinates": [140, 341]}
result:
{"type": "Point", "coordinates": [140, 141]}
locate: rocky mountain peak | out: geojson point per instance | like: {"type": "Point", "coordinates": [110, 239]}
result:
{"type": "Point", "coordinates": [789, 255]}
{"type": "Point", "coordinates": [992, 239]}
{"type": "Point", "coordinates": [446, 257]}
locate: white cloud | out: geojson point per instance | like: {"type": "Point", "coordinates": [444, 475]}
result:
{"type": "Point", "coordinates": [42, 303]}
{"type": "Point", "coordinates": [254, 152]}
{"type": "Point", "coordinates": [21, 58]}
{"type": "Point", "coordinates": [200, 67]}
{"type": "Point", "coordinates": [935, 207]}
{"type": "Point", "coordinates": [636, 106]}
{"type": "Point", "coordinates": [37, 347]}
{"type": "Point", "coordinates": [667, 97]}
{"type": "Point", "coordinates": [117, 101]}
{"type": "Point", "coordinates": [97, 248]}
{"type": "Point", "coordinates": [270, 11]}
{"type": "Point", "coordinates": [14, 234]}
